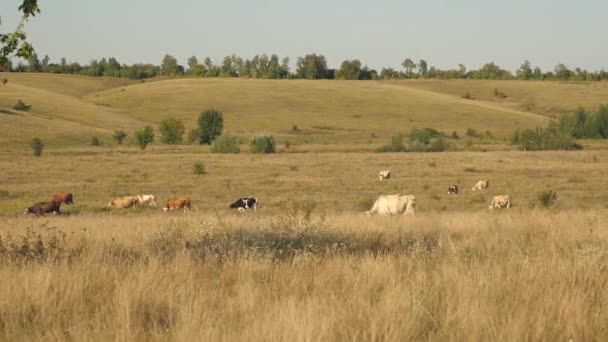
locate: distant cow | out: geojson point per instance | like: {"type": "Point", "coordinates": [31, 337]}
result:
{"type": "Point", "coordinates": [149, 200]}
{"type": "Point", "coordinates": [502, 201]}
{"type": "Point", "coordinates": [385, 174]}
{"type": "Point", "coordinates": [453, 189]}
{"type": "Point", "coordinates": [177, 203]}
{"type": "Point", "coordinates": [63, 197]}
{"type": "Point", "coordinates": [482, 184]}
{"type": "Point", "coordinates": [394, 205]}
{"type": "Point", "coordinates": [124, 202]}
{"type": "Point", "coordinates": [42, 208]}
{"type": "Point", "coordinates": [245, 203]}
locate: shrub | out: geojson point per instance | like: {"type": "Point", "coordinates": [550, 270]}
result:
{"type": "Point", "coordinates": [144, 136]}
{"type": "Point", "coordinates": [199, 168]}
{"type": "Point", "coordinates": [287, 144]}
{"type": "Point", "coordinates": [210, 126]}
{"type": "Point", "coordinates": [500, 94]}
{"type": "Point", "coordinates": [547, 198]}
{"type": "Point", "coordinates": [193, 135]}
{"type": "Point", "coordinates": [471, 132]}
{"type": "Point", "coordinates": [37, 146]}
{"type": "Point", "coordinates": [20, 105]}
{"type": "Point", "coordinates": [171, 131]}
{"type": "Point", "coordinates": [395, 145]}
{"type": "Point", "coordinates": [455, 135]}
{"type": "Point", "coordinates": [95, 141]}
{"type": "Point", "coordinates": [424, 135]}
{"type": "Point", "coordinates": [295, 128]}
{"type": "Point", "coordinates": [549, 138]}
{"type": "Point", "coordinates": [226, 143]}
{"type": "Point", "coordinates": [119, 136]}
{"type": "Point", "coordinates": [262, 144]}
{"type": "Point", "coordinates": [467, 96]}
{"type": "Point", "coordinates": [423, 145]}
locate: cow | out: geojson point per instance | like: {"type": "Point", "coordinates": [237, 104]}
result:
{"type": "Point", "coordinates": [453, 189]}
{"type": "Point", "coordinates": [124, 202]}
{"type": "Point", "coordinates": [385, 174]}
{"type": "Point", "coordinates": [177, 203]}
{"type": "Point", "coordinates": [245, 203]}
{"type": "Point", "coordinates": [63, 197]}
{"type": "Point", "coordinates": [482, 184]}
{"type": "Point", "coordinates": [149, 200]}
{"type": "Point", "coordinates": [42, 208]}
{"type": "Point", "coordinates": [501, 201]}
{"type": "Point", "coordinates": [394, 205]}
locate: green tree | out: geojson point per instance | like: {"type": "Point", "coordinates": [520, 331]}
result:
{"type": "Point", "coordinates": [349, 70]}
{"type": "Point", "coordinates": [119, 136]}
{"type": "Point", "coordinates": [562, 72]}
{"type": "Point", "coordinates": [423, 68]}
{"type": "Point", "coordinates": [37, 146]}
{"type": "Point", "coordinates": [172, 131]}
{"type": "Point", "coordinates": [525, 71]}
{"type": "Point", "coordinates": [144, 136]}
{"type": "Point", "coordinates": [33, 63]}
{"type": "Point", "coordinates": [263, 144]}
{"type": "Point", "coordinates": [16, 42]}
{"type": "Point", "coordinates": [210, 125]}
{"type": "Point", "coordinates": [409, 66]}
{"type": "Point", "coordinates": [194, 68]}
{"type": "Point", "coordinates": [169, 66]}
{"type": "Point", "coordinates": [312, 67]}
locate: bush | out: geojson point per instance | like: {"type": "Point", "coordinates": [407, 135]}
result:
{"type": "Point", "coordinates": [424, 145]}
{"type": "Point", "coordinates": [424, 135]}
{"type": "Point", "coordinates": [193, 135]}
{"type": "Point", "coordinates": [95, 141]}
{"type": "Point", "coordinates": [263, 144]}
{"type": "Point", "coordinates": [471, 132]}
{"type": "Point", "coordinates": [20, 105]}
{"type": "Point", "coordinates": [226, 143]}
{"type": "Point", "coordinates": [295, 128]}
{"type": "Point", "coordinates": [547, 198]}
{"type": "Point", "coordinates": [540, 139]}
{"type": "Point", "coordinates": [119, 136]}
{"type": "Point", "coordinates": [37, 146]}
{"type": "Point", "coordinates": [210, 125]}
{"type": "Point", "coordinates": [455, 135]}
{"type": "Point", "coordinates": [171, 131]}
{"type": "Point", "coordinates": [199, 168]}
{"type": "Point", "coordinates": [144, 136]}
{"type": "Point", "coordinates": [500, 94]}
{"type": "Point", "coordinates": [395, 145]}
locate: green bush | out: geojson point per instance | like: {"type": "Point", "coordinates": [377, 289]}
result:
{"type": "Point", "coordinates": [263, 144]}
{"type": "Point", "coordinates": [424, 135]}
{"type": "Point", "coordinates": [199, 168]}
{"type": "Point", "coordinates": [37, 146]}
{"type": "Point", "coordinates": [540, 139]}
{"type": "Point", "coordinates": [20, 105]}
{"type": "Point", "coordinates": [471, 132]}
{"type": "Point", "coordinates": [171, 131]}
{"type": "Point", "coordinates": [547, 198]}
{"type": "Point", "coordinates": [396, 144]}
{"type": "Point", "coordinates": [226, 143]}
{"type": "Point", "coordinates": [119, 136]}
{"type": "Point", "coordinates": [144, 136]}
{"type": "Point", "coordinates": [210, 125]}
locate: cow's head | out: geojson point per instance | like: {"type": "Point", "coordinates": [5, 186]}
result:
{"type": "Point", "coordinates": [70, 199]}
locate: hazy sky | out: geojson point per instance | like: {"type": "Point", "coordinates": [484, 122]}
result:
{"type": "Point", "coordinates": [380, 33]}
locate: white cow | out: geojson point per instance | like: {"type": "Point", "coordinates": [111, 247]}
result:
{"type": "Point", "coordinates": [149, 200]}
{"type": "Point", "coordinates": [394, 205]}
{"type": "Point", "coordinates": [482, 184]}
{"type": "Point", "coordinates": [384, 174]}
{"type": "Point", "coordinates": [501, 201]}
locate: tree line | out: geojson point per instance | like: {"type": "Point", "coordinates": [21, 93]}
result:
{"type": "Point", "coordinates": [311, 66]}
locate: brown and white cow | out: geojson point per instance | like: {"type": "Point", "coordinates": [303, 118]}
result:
{"type": "Point", "coordinates": [124, 202]}
{"type": "Point", "coordinates": [501, 201]}
{"type": "Point", "coordinates": [63, 197]}
{"type": "Point", "coordinates": [42, 208]}
{"type": "Point", "coordinates": [177, 203]}
{"type": "Point", "coordinates": [394, 205]}
{"type": "Point", "coordinates": [481, 185]}
{"type": "Point", "coordinates": [453, 189]}
{"type": "Point", "coordinates": [384, 174]}
{"type": "Point", "coordinates": [149, 200]}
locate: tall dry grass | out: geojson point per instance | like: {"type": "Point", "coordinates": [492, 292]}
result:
{"type": "Point", "coordinates": [305, 275]}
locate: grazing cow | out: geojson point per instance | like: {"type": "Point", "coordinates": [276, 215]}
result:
{"type": "Point", "coordinates": [245, 203]}
{"type": "Point", "coordinates": [394, 205]}
{"type": "Point", "coordinates": [42, 208]}
{"type": "Point", "coordinates": [124, 202]}
{"type": "Point", "coordinates": [482, 184]}
{"type": "Point", "coordinates": [501, 201]}
{"type": "Point", "coordinates": [177, 203]}
{"type": "Point", "coordinates": [385, 174]}
{"type": "Point", "coordinates": [63, 197]}
{"type": "Point", "coordinates": [453, 189]}
{"type": "Point", "coordinates": [149, 200]}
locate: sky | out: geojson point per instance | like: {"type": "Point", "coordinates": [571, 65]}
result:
{"type": "Point", "coordinates": [380, 33]}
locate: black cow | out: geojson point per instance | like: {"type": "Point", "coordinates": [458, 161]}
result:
{"type": "Point", "coordinates": [453, 189]}
{"type": "Point", "coordinates": [245, 203]}
{"type": "Point", "coordinates": [42, 208]}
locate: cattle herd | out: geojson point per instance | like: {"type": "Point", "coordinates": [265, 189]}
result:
{"type": "Point", "coordinates": [384, 204]}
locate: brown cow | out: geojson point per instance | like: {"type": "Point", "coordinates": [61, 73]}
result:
{"type": "Point", "coordinates": [124, 202]}
{"type": "Point", "coordinates": [177, 203]}
{"type": "Point", "coordinates": [63, 197]}
{"type": "Point", "coordinates": [42, 208]}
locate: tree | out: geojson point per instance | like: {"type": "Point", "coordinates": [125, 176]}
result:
{"type": "Point", "coordinates": [462, 71]}
{"type": "Point", "coordinates": [409, 66]}
{"type": "Point", "coordinates": [144, 136]}
{"type": "Point", "coordinates": [168, 66]}
{"type": "Point", "coordinates": [34, 64]}
{"type": "Point", "coordinates": [37, 146]}
{"type": "Point", "coordinates": [312, 67]}
{"type": "Point", "coordinates": [349, 70]}
{"type": "Point", "coordinates": [194, 68]}
{"type": "Point", "coordinates": [263, 144]}
{"type": "Point", "coordinates": [119, 136]}
{"type": "Point", "coordinates": [17, 41]}
{"type": "Point", "coordinates": [210, 126]}
{"type": "Point", "coordinates": [562, 72]}
{"type": "Point", "coordinates": [525, 71]}
{"type": "Point", "coordinates": [423, 68]}
{"type": "Point", "coordinates": [172, 131]}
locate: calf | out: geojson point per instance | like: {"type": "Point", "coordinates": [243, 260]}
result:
{"type": "Point", "coordinates": [42, 208]}
{"type": "Point", "coordinates": [124, 202]}
{"type": "Point", "coordinates": [245, 203]}
{"type": "Point", "coordinates": [453, 189]}
{"type": "Point", "coordinates": [177, 203]}
{"type": "Point", "coordinates": [63, 197]}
